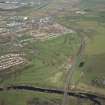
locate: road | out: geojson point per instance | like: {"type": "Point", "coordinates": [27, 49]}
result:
{"type": "Point", "coordinates": [72, 69]}
{"type": "Point", "coordinates": [82, 95]}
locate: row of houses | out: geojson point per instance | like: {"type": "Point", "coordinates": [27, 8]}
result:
{"type": "Point", "coordinates": [10, 60]}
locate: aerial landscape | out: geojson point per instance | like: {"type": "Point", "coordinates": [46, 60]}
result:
{"type": "Point", "coordinates": [52, 52]}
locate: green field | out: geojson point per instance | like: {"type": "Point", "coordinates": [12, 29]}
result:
{"type": "Point", "coordinates": [95, 61]}
{"type": "Point", "coordinates": [94, 69]}
{"type": "Point", "coordinates": [30, 98]}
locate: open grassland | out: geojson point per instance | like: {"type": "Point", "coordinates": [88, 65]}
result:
{"type": "Point", "coordinates": [95, 61]}
{"type": "Point", "coordinates": [28, 98]}
{"type": "Point", "coordinates": [95, 56]}
{"type": "Point", "coordinates": [94, 68]}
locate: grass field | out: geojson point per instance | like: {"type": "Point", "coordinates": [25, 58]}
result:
{"type": "Point", "coordinates": [30, 98]}
{"type": "Point", "coordinates": [95, 60]}
{"type": "Point", "coordinates": [94, 57]}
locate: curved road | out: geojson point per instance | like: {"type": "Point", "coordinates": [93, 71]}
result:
{"type": "Point", "coordinates": [83, 95]}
